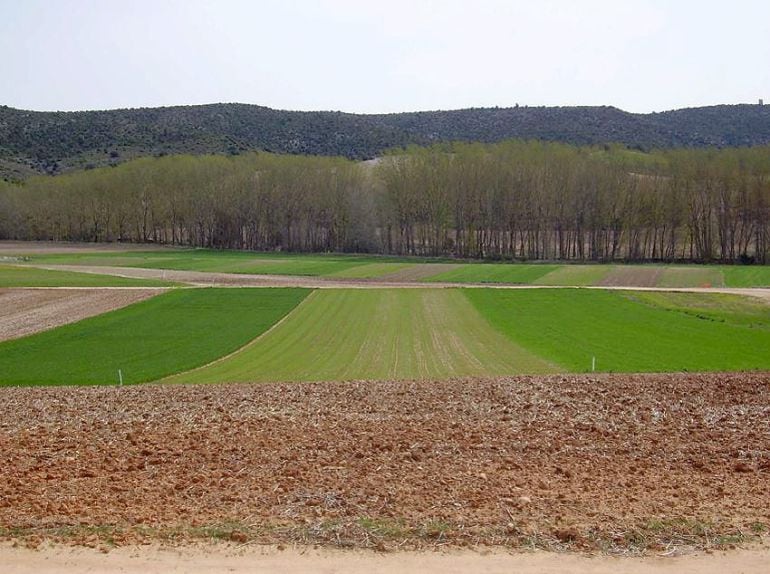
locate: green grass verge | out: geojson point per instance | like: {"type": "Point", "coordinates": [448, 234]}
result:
{"type": "Point", "coordinates": [172, 332]}
{"type": "Point", "coordinates": [21, 276]}
{"type": "Point", "coordinates": [515, 273]}
{"type": "Point", "coordinates": [375, 334]}
{"type": "Point", "coordinates": [746, 275]}
{"type": "Point", "coordinates": [630, 332]}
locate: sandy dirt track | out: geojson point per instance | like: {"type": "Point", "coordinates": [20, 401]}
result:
{"type": "Point", "coordinates": [27, 311]}
{"type": "Point", "coordinates": [203, 278]}
{"type": "Point", "coordinates": [217, 559]}
{"type": "Point", "coordinates": [613, 462]}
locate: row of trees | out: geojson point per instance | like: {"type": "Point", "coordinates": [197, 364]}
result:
{"type": "Point", "coordinates": [524, 200]}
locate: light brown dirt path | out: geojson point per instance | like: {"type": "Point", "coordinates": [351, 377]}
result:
{"type": "Point", "coordinates": [259, 560]}
{"type": "Point", "coordinates": [204, 278]}
{"type": "Point", "coordinates": [27, 311]}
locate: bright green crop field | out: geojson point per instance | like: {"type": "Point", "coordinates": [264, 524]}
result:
{"type": "Point", "coordinates": [169, 333]}
{"type": "Point", "coordinates": [20, 276]}
{"type": "Point", "coordinates": [225, 335]}
{"type": "Point", "coordinates": [376, 334]}
{"type": "Point", "coordinates": [630, 331]}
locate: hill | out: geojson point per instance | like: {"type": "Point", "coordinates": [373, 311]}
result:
{"type": "Point", "coordinates": [53, 142]}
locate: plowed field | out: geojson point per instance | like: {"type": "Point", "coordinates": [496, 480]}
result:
{"type": "Point", "coordinates": [611, 462]}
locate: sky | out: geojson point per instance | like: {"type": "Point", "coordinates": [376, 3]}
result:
{"type": "Point", "coordinates": [385, 55]}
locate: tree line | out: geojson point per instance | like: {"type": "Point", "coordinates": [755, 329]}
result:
{"type": "Point", "coordinates": [510, 200]}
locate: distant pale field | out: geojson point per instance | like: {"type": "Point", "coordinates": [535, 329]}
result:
{"type": "Point", "coordinates": [421, 269]}
{"type": "Point", "coordinates": [21, 276]}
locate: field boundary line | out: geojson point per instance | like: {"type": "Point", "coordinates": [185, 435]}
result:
{"type": "Point", "coordinates": [243, 347]}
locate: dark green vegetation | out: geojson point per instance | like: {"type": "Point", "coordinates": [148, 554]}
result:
{"type": "Point", "coordinates": [506, 201]}
{"type": "Point", "coordinates": [173, 332]}
{"type": "Point", "coordinates": [632, 332]}
{"type": "Point", "coordinates": [19, 276]}
{"type": "Point", "coordinates": [52, 142]}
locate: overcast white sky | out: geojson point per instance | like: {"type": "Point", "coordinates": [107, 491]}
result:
{"type": "Point", "coordinates": [383, 55]}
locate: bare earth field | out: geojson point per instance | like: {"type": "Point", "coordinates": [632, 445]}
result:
{"type": "Point", "coordinates": [27, 311]}
{"type": "Point", "coordinates": [617, 463]}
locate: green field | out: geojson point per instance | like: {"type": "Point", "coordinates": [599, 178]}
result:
{"type": "Point", "coordinates": [746, 275]}
{"type": "Point", "coordinates": [574, 275]}
{"type": "Point", "coordinates": [172, 332]}
{"type": "Point", "coordinates": [376, 334]}
{"type": "Point", "coordinates": [235, 262]}
{"type": "Point", "coordinates": [20, 276]}
{"type": "Point", "coordinates": [632, 332]}
{"type": "Point", "coordinates": [188, 335]}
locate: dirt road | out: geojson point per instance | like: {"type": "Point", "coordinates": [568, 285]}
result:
{"type": "Point", "coordinates": [258, 560]}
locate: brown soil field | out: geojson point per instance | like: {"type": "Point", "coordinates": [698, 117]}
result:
{"type": "Point", "coordinates": [27, 311]}
{"type": "Point", "coordinates": [618, 463]}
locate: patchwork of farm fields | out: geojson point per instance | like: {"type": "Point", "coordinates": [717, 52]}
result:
{"type": "Point", "coordinates": [284, 334]}
{"type": "Point", "coordinates": [377, 268]}
{"type": "Point", "coordinates": [391, 402]}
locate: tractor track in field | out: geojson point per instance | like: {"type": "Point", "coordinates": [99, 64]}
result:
{"type": "Point", "coordinates": [209, 279]}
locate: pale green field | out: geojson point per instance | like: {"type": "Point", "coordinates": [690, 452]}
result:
{"type": "Point", "coordinates": [370, 270]}
{"type": "Point", "coordinates": [376, 334]}
{"type": "Point", "coordinates": [574, 275]}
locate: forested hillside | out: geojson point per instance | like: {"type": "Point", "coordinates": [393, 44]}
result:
{"type": "Point", "coordinates": [56, 142]}
{"type": "Point", "coordinates": [510, 200]}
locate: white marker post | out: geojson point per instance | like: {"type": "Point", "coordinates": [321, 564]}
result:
{"type": "Point", "coordinates": [593, 364]}
{"type": "Point", "coordinates": [120, 378]}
